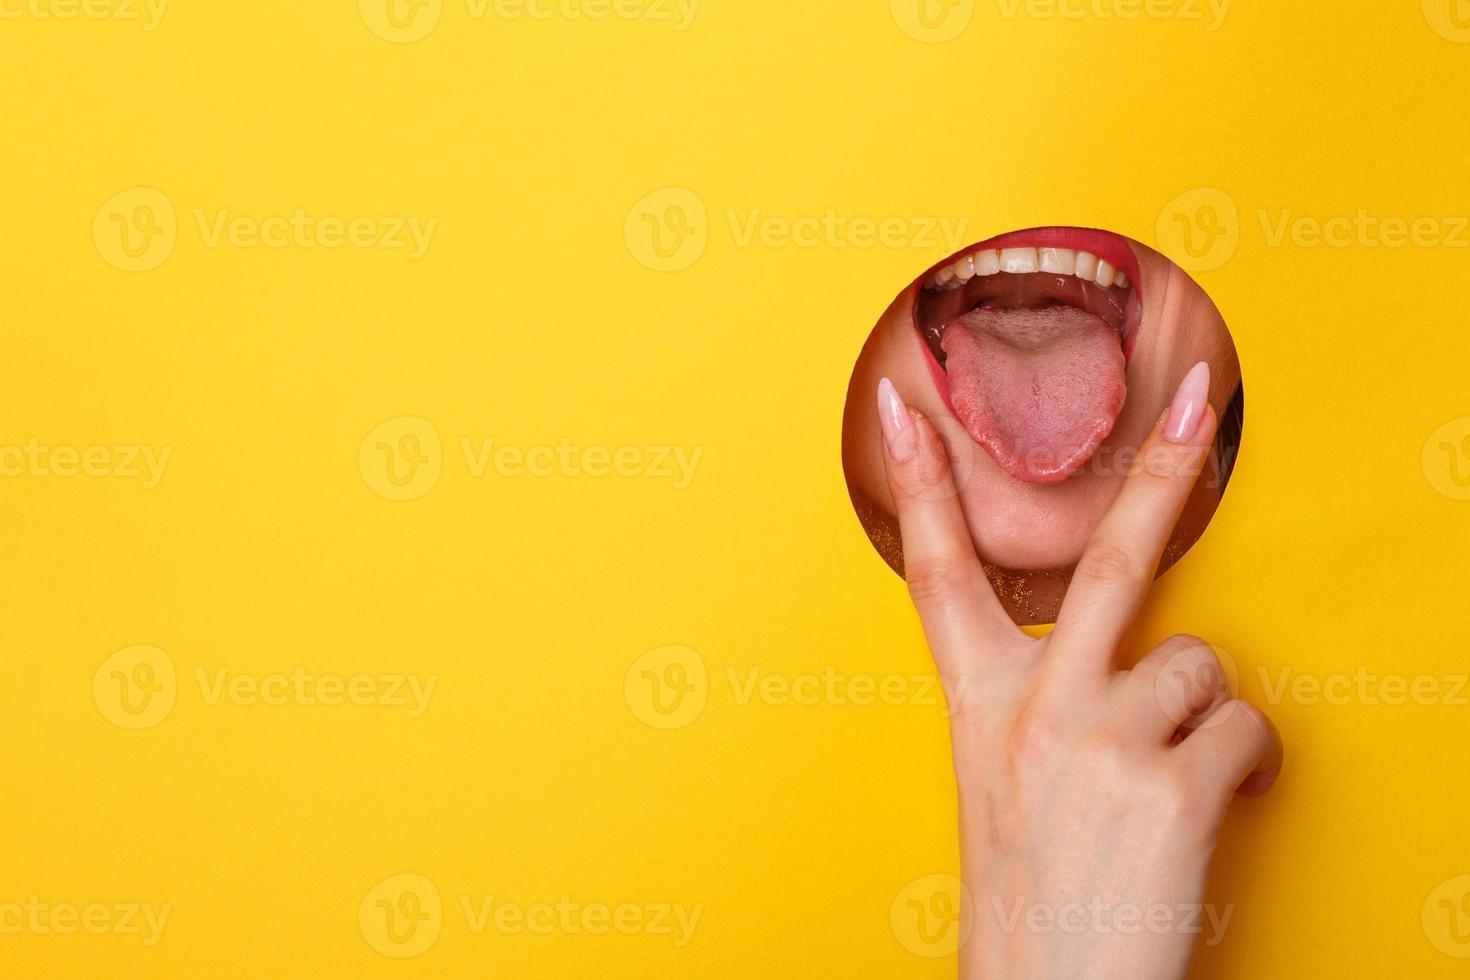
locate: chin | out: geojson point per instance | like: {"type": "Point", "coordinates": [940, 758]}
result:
{"type": "Point", "coordinates": [1025, 528]}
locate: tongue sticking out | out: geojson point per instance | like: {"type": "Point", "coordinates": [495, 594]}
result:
{"type": "Point", "coordinates": [1039, 389]}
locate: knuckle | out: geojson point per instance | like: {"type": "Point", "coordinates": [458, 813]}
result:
{"type": "Point", "coordinates": [1033, 735]}
{"type": "Point", "coordinates": [1250, 723]}
{"type": "Point", "coordinates": [1187, 662]}
{"type": "Point", "coordinates": [1182, 641]}
{"type": "Point", "coordinates": [933, 456]}
{"type": "Point", "coordinates": [1200, 664]}
{"type": "Point", "coordinates": [936, 579]}
{"type": "Point", "coordinates": [1107, 564]}
{"type": "Point", "coordinates": [1116, 759]}
{"type": "Point", "coordinates": [1175, 790]}
{"type": "Point", "coordinates": [927, 475]}
{"type": "Point", "coordinates": [1107, 754]}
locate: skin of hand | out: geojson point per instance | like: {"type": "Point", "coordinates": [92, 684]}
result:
{"type": "Point", "coordinates": [1090, 797]}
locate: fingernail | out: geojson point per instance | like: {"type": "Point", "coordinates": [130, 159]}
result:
{"type": "Point", "coordinates": [899, 434]}
{"type": "Point", "coordinates": [1189, 404]}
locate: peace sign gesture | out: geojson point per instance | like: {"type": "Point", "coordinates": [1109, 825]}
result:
{"type": "Point", "coordinates": [1090, 798]}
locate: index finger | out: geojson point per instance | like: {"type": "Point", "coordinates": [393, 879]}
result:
{"type": "Point", "coordinates": [961, 615]}
{"type": "Point", "coordinates": [1118, 565]}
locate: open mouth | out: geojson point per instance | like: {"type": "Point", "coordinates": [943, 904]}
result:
{"type": "Point", "coordinates": [1028, 337]}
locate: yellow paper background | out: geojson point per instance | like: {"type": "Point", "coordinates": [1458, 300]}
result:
{"type": "Point", "coordinates": [541, 316]}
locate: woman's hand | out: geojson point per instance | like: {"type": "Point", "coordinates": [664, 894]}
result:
{"type": "Point", "coordinates": [1090, 798]}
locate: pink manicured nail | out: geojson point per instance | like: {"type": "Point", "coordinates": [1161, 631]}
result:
{"type": "Point", "coordinates": [1189, 404]}
{"type": "Point", "coordinates": [899, 434]}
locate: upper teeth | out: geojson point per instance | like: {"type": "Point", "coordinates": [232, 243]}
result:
{"type": "Point", "coordinates": [1018, 261]}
